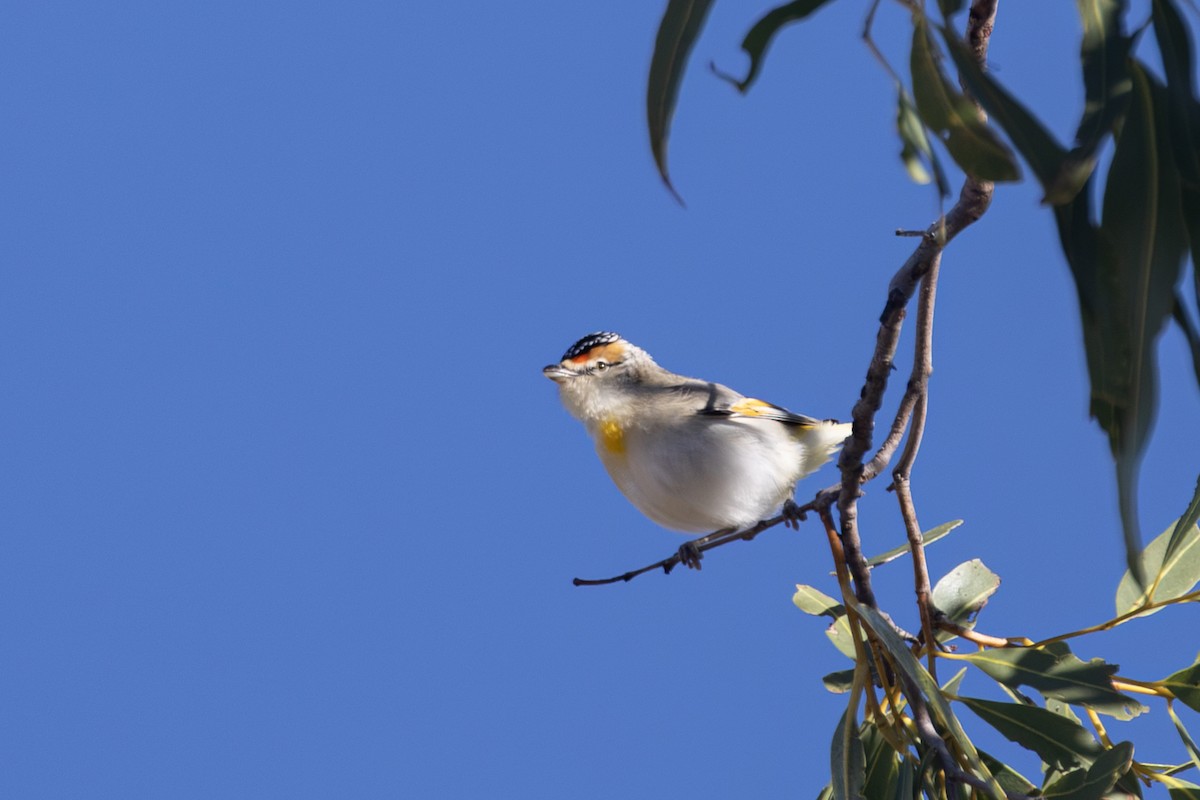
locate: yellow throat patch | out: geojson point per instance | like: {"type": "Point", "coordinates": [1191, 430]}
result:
{"type": "Point", "coordinates": [613, 436]}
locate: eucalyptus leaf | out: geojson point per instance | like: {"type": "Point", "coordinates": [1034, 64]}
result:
{"type": "Point", "coordinates": [1061, 708]}
{"type": "Point", "coordinates": [1059, 742]}
{"type": "Point", "coordinates": [964, 591]}
{"type": "Point", "coordinates": [1174, 45]}
{"type": "Point", "coordinates": [1175, 576]}
{"type": "Point", "coordinates": [1060, 675]}
{"type": "Point", "coordinates": [846, 760]}
{"type": "Point", "coordinates": [916, 151]}
{"type": "Point", "coordinates": [678, 31]}
{"type": "Point", "coordinates": [1185, 685]}
{"type": "Point", "coordinates": [763, 33]}
{"type": "Point", "coordinates": [1184, 525]}
{"type": "Point", "coordinates": [973, 145]}
{"type": "Point", "coordinates": [928, 537]}
{"type": "Point", "coordinates": [905, 782]}
{"type": "Point", "coordinates": [882, 763]}
{"type": "Point", "coordinates": [951, 686]}
{"type": "Point", "coordinates": [1188, 743]}
{"type": "Point", "coordinates": [1141, 258]}
{"type": "Point", "coordinates": [1096, 781]}
{"type": "Point", "coordinates": [815, 602]}
{"type": "Point", "coordinates": [1180, 789]}
{"type": "Point", "coordinates": [1065, 785]}
{"type": "Point", "coordinates": [1009, 779]}
{"type": "Point", "coordinates": [839, 682]}
{"type": "Point", "coordinates": [840, 633]}
{"type": "Point", "coordinates": [1104, 57]}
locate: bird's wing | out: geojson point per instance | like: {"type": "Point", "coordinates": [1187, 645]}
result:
{"type": "Point", "coordinates": [721, 401]}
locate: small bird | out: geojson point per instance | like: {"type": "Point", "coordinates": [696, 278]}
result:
{"type": "Point", "coordinates": [693, 456]}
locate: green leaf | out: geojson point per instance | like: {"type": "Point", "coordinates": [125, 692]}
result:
{"type": "Point", "coordinates": [915, 152]}
{"type": "Point", "coordinates": [1175, 576]}
{"type": "Point", "coordinates": [882, 763]}
{"type": "Point", "coordinates": [1183, 120]}
{"type": "Point", "coordinates": [1191, 516]}
{"type": "Point", "coordinates": [951, 686]}
{"type": "Point", "coordinates": [842, 636]}
{"type": "Point", "coordinates": [1188, 743]}
{"type": "Point", "coordinates": [1061, 708]}
{"type": "Point", "coordinates": [1190, 191]}
{"type": "Point", "coordinates": [846, 760]}
{"type": "Point", "coordinates": [1175, 47]}
{"type": "Point", "coordinates": [677, 33]}
{"type": "Point", "coordinates": [1057, 740]}
{"type": "Point", "coordinates": [1095, 782]}
{"type": "Point", "coordinates": [763, 33]}
{"type": "Point", "coordinates": [1065, 785]}
{"type": "Point", "coordinates": [1058, 673]}
{"type": "Point", "coordinates": [826, 793]}
{"type": "Point", "coordinates": [964, 591]}
{"type": "Point", "coordinates": [839, 682]}
{"type": "Point", "coordinates": [928, 537]}
{"type": "Point", "coordinates": [905, 782]}
{"type": "Point", "coordinates": [1104, 56]}
{"type": "Point", "coordinates": [973, 145]}
{"type": "Point", "coordinates": [1180, 789]}
{"type": "Point", "coordinates": [1045, 156]}
{"type": "Point", "coordinates": [1185, 685]}
{"type": "Point", "coordinates": [1143, 241]}
{"type": "Point", "coordinates": [817, 603]}
{"type": "Point", "coordinates": [1009, 779]}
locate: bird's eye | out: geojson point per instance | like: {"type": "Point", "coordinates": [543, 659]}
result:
{"type": "Point", "coordinates": [601, 366]}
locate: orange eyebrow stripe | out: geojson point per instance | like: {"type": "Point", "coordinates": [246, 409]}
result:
{"type": "Point", "coordinates": [614, 351]}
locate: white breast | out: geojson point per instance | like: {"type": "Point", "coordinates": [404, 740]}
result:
{"type": "Point", "coordinates": [726, 473]}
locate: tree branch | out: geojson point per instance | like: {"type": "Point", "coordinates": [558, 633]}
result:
{"type": "Point", "coordinates": [973, 201]}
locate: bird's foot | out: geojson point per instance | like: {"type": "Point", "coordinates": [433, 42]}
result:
{"type": "Point", "coordinates": [792, 515]}
{"type": "Point", "coordinates": [690, 554]}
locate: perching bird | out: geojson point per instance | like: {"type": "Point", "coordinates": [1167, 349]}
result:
{"type": "Point", "coordinates": [692, 455]}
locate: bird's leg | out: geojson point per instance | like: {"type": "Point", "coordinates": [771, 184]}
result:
{"type": "Point", "coordinates": [792, 515]}
{"type": "Point", "coordinates": [691, 553]}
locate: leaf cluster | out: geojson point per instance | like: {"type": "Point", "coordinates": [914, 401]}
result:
{"type": "Point", "coordinates": [880, 750]}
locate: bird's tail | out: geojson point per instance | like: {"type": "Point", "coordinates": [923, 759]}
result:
{"type": "Point", "coordinates": [821, 441]}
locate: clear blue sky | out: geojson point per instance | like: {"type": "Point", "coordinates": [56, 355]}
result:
{"type": "Point", "coordinates": [290, 511]}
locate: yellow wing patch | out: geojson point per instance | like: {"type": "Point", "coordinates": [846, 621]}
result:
{"type": "Point", "coordinates": [750, 407]}
{"type": "Point", "coordinates": [613, 436]}
{"type": "Point", "coordinates": [753, 408]}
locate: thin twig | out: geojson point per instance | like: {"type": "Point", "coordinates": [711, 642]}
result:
{"type": "Point", "coordinates": [918, 386]}
{"type": "Point", "coordinates": [823, 499]}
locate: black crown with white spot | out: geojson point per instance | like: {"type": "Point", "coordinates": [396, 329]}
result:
{"type": "Point", "coordinates": [588, 342]}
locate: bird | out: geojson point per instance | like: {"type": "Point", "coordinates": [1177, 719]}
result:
{"type": "Point", "coordinates": [692, 455]}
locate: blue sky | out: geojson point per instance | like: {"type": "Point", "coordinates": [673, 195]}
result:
{"type": "Point", "coordinates": [289, 509]}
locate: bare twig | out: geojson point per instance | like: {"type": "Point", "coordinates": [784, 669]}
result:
{"type": "Point", "coordinates": [918, 387]}
{"type": "Point", "coordinates": [791, 514]}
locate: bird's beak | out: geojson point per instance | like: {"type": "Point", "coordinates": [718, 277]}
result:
{"type": "Point", "coordinates": [557, 372]}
